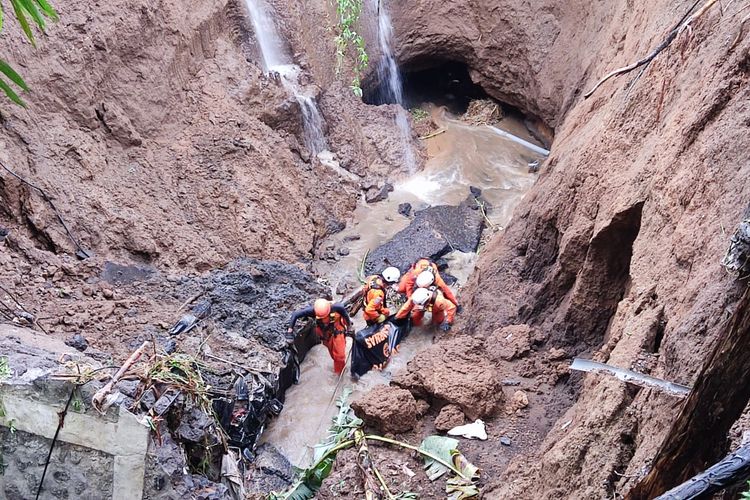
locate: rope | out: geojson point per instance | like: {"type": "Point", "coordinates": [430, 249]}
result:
{"type": "Point", "coordinates": [82, 252]}
{"type": "Point", "coordinates": [308, 449]}
{"type": "Point", "coordinates": [60, 423]}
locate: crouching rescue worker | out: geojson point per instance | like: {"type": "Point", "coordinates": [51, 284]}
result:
{"type": "Point", "coordinates": [432, 300]}
{"type": "Point", "coordinates": [375, 295]}
{"type": "Point", "coordinates": [332, 322]}
{"type": "Point", "coordinates": [408, 283]}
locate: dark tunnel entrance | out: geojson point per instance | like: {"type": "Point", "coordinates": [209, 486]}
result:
{"type": "Point", "coordinates": [440, 82]}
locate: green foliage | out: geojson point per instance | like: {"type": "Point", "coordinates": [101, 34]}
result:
{"type": "Point", "coordinates": [419, 114]}
{"type": "Point", "coordinates": [746, 494]}
{"type": "Point", "coordinates": [460, 487]}
{"type": "Point", "coordinates": [5, 372]}
{"type": "Point", "coordinates": [37, 11]}
{"type": "Point", "coordinates": [348, 12]}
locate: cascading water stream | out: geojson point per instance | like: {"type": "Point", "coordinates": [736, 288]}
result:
{"type": "Point", "coordinates": [277, 60]}
{"type": "Point", "coordinates": [389, 74]}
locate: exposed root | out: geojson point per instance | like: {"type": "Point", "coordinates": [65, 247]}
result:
{"type": "Point", "coordinates": [684, 24]}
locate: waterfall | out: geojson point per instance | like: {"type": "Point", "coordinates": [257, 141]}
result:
{"type": "Point", "coordinates": [391, 83]}
{"type": "Point", "coordinates": [277, 60]}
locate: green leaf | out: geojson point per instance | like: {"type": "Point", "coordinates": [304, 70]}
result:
{"type": "Point", "coordinates": [48, 10]}
{"type": "Point", "coordinates": [11, 95]}
{"type": "Point", "coordinates": [14, 77]}
{"type": "Point", "coordinates": [18, 9]}
{"type": "Point", "coordinates": [442, 447]}
{"type": "Point", "coordinates": [30, 7]}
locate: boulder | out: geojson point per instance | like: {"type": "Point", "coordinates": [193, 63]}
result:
{"type": "Point", "coordinates": [457, 372]}
{"type": "Point", "coordinates": [387, 409]}
{"type": "Point", "coordinates": [432, 233]}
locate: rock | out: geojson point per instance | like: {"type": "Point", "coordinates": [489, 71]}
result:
{"type": "Point", "coordinates": [108, 293]}
{"type": "Point", "coordinates": [344, 251]}
{"type": "Point", "coordinates": [375, 194]}
{"type": "Point", "coordinates": [334, 226]}
{"type": "Point", "coordinates": [404, 209]}
{"type": "Point", "coordinates": [148, 399]}
{"type": "Point", "coordinates": [520, 400]}
{"type": "Point", "coordinates": [450, 416]}
{"type": "Point", "coordinates": [509, 343]}
{"type": "Point", "coordinates": [352, 237]}
{"type": "Point", "coordinates": [455, 371]}
{"type": "Point", "coordinates": [556, 354]}
{"type": "Point", "coordinates": [195, 426]}
{"type": "Point", "coordinates": [78, 342]}
{"type": "Point", "coordinates": [387, 409]}
{"type": "Point", "coordinates": [475, 191]}
{"type": "Point", "coordinates": [128, 387]}
{"type": "Point", "coordinates": [432, 233]}
{"type": "Point", "coordinates": [505, 441]}
{"type": "Point", "coordinates": [271, 471]}
{"type": "Point", "coordinates": [510, 383]}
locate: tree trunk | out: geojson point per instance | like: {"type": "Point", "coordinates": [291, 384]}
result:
{"type": "Point", "coordinates": [717, 400]}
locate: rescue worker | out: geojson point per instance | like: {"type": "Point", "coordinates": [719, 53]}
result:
{"type": "Point", "coordinates": [375, 295]}
{"type": "Point", "coordinates": [374, 300]}
{"type": "Point", "coordinates": [429, 299]}
{"type": "Point", "coordinates": [332, 322]}
{"type": "Point", "coordinates": [407, 284]}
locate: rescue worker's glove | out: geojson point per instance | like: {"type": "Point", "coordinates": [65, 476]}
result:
{"type": "Point", "coordinates": [290, 335]}
{"type": "Point", "coordinates": [445, 326]}
{"type": "Point", "coordinates": [386, 312]}
{"type": "Point", "coordinates": [382, 318]}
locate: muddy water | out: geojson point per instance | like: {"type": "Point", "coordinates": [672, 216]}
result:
{"type": "Point", "coordinates": [460, 157]}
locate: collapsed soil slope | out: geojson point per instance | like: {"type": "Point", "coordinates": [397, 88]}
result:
{"type": "Point", "coordinates": [616, 250]}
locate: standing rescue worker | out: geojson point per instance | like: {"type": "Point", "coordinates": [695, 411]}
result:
{"type": "Point", "coordinates": [408, 282]}
{"type": "Point", "coordinates": [429, 299]}
{"type": "Point", "coordinates": [331, 325]}
{"type": "Point", "coordinates": [375, 295]}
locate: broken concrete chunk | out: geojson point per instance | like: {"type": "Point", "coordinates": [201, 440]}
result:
{"type": "Point", "coordinates": [505, 441]}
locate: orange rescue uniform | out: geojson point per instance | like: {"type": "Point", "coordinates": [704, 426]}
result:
{"type": "Point", "coordinates": [443, 310]}
{"type": "Point", "coordinates": [408, 281]}
{"type": "Point", "coordinates": [331, 330]}
{"type": "Point", "coordinates": [374, 300]}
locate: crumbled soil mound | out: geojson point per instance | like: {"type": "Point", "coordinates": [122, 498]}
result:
{"type": "Point", "coordinates": [387, 409]}
{"type": "Point", "coordinates": [509, 343]}
{"type": "Point", "coordinates": [432, 233]}
{"type": "Point", "coordinates": [455, 371]}
{"type": "Point", "coordinates": [450, 416]}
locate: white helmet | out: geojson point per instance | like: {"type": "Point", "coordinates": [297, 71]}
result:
{"type": "Point", "coordinates": [391, 274]}
{"type": "Point", "coordinates": [425, 279]}
{"type": "Point", "coordinates": [421, 296]}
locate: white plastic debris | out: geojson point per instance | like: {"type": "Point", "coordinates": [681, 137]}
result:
{"type": "Point", "coordinates": [475, 430]}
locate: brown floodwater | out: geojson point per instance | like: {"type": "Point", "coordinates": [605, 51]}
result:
{"type": "Point", "coordinates": [494, 159]}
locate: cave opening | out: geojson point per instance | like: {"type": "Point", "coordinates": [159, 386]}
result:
{"type": "Point", "coordinates": [440, 82]}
